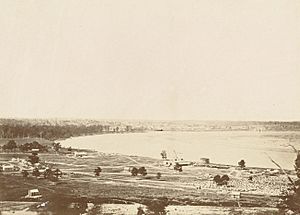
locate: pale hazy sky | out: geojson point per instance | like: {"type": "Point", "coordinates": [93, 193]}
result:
{"type": "Point", "coordinates": [135, 59]}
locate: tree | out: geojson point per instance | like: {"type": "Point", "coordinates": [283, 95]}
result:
{"type": "Point", "coordinates": [158, 175]}
{"type": "Point", "coordinates": [48, 173]}
{"type": "Point", "coordinates": [242, 163]}
{"type": "Point", "coordinates": [217, 179]}
{"type": "Point", "coordinates": [142, 170]}
{"type": "Point", "coordinates": [178, 167]}
{"type": "Point", "coordinates": [225, 178]}
{"type": "Point", "coordinates": [97, 171]}
{"type": "Point", "coordinates": [33, 158]}
{"type": "Point", "coordinates": [10, 145]}
{"type": "Point", "coordinates": [37, 145]}
{"type": "Point", "coordinates": [221, 180]}
{"type": "Point", "coordinates": [157, 206]}
{"type": "Point", "coordinates": [140, 211]}
{"type": "Point", "coordinates": [56, 146]}
{"type": "Point", "coordinates": [36, 172]}
{"type": "Point", "coordinates": [163, 154]}
{"type": "Point", "coordinates": [134, 171]}
{"type": "Point", "coordinates": [25, 173]}
{"type": "Point", "coordinates": [24, 147]}
{"type": "Point", "coordinates": [34, 145]}
{"type": "Point", "coordinates": [52, 175]}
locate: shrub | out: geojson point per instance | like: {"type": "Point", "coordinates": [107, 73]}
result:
{"type": "Point", "coordinates": [142, 171]}
{"type": "Point", "coordinates": [177, 167]}
{"type": "Point", "coordinates": [221, 180]}
{"type": "Point", "coordinates": [242, 164]}
{"type": "Point", "coordinates": [97, 171]}
{"type": "Point", "coordinates": [134, 171]}
{"type": "Point", "coordinates": [158, 175]}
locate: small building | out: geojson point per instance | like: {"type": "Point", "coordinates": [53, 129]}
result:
{"type": "Point", "coordinates": [181, 162]}
{"type": "Point", "coordinates": [33, 194]}
{"type": "Point", "coordinates": [204, 161]}
{"type": "Point", "coordinates": [176, 161]}
{"type": "Point", "coordinates": [235, 195]}
{"type": "Point", "coordinates": [7, 168]}
{"type": "Point", "coordinates": [35, 150]}
{"type": "Point", "coordinates": [80, 154]}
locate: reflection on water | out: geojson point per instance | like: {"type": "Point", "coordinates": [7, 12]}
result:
{"type": "Point", "coordinates": [221, 147]}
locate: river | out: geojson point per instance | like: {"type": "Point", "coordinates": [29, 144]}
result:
{"type": "Point", "coordinates": [227, 147]}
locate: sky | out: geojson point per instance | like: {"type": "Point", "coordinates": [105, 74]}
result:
{"type": "Point", "coordinates": [158, 59]}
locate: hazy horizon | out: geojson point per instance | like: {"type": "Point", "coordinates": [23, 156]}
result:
{"type": "Point", "coordinates": [160, 60]}
{"type": "Point", "coordinates": [154, 120]}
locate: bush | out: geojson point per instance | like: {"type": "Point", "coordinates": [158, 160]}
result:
{"type": "Point", "coordinates": [10, 145]}
{"type": "Point", "coordinates": [134, 171]}
{"type": "Point", "coordinates": [158, 175]}
{"type": "Point", "coordinates": [34, 145]}
{"type": "Point", "coordinates": [142, 171]}
{"type": "Point", "coordinates": [221, 180]}
{"type": "Point", "coordinates": [242, 164]}
{"type": "Point", "coordinates": [217, 178]}
{"type": "Point", "coordinates": [33, 158]}
{"type": "Point", "coordinates": [177, 167]}
{"type": "Point", "coordinates": [25, 173]}
{"type": "Point", "coordinates": [225, 178]}
{"type": "Point", "coordinates": [157, 206]}
{"type": "Point", "coordinates": [97, 171]}
{"type": "Point", "coordinates": [36, 172]}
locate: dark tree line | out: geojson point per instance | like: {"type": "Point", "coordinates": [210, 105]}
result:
{"type": "Point", "coordinates": [34, 145]}
{"type": "Point", "coordinates": [51, 174]}
{"type": "Point", "coordinates": [53, 132]}
{"type": "Point", "coordinates": [11, 145]}
{"type": "Point", "coordinates": [50, 132]}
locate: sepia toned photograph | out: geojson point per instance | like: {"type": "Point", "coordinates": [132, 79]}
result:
{"type": "Point", "coordinates": [161, 107]}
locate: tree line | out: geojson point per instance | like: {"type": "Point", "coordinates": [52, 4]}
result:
{"type": "Point", "coordinates": [50, 132]}
{"type": "Point", "coordinates": [11, 145]}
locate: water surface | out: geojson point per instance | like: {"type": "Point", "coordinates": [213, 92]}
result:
{"type": "Point", "coordinates": [226, 147]}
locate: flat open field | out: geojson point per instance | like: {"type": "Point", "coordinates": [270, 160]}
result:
{"type": "Point", "coordinates": [193, 186]}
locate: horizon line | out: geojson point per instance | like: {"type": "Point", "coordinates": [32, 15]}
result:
{"type": "Point", "coordinates": [120, 119]}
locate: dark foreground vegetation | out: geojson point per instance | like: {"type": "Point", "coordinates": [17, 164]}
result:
{"type": "Point", "coordinates": [291, 199]}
